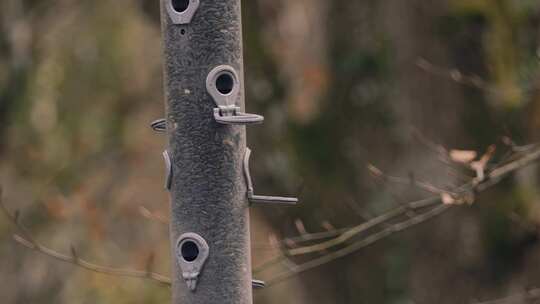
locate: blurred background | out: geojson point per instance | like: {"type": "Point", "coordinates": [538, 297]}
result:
{"type": "Point", "coordinates": [341, 83]}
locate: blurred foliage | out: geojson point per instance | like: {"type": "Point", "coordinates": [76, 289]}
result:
{"type": "Point", "coordinates": [340, 86]}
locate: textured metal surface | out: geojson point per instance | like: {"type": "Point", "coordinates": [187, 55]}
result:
{"type": "Point", "coordinates": [208, 190]}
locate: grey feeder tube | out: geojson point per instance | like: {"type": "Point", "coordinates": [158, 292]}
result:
{"type": "Point", "coordinates": [209, 207]}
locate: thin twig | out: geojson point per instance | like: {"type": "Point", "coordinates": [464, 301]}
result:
{"type": "Point", "coordinates": [455, 75]}
{"type": "Point", "coordinates": [346, 232]}
{"type": "Point", "coordinates": [520, 298]}
{"type": "Point", "coordinates": [353, 232]}
{"type": "Point", "coordinates": [470, 80]}
{"type": "Point", "coordinates": [357, 245]}
{"type": "Point", "coordinates": [435, 203]}
{"type": "Point", "coordinates": [25, 239]}
{"type": "Point", "coordinates": [153, 216]}
{"type": "Point", "coordinates": [424, 186]}
{"type": "Point", "coordinates": [492, 179]}
{"type": "Point", "coordinates": [343, 235]}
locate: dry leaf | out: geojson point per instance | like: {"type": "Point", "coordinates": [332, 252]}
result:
{"type": "Point", "coordinates": [326, 225]}
{"type": "Point", "coordinates": [488, 155]}
{"type": "Point", "coordinates": [463, 156]}
{"type": "Point", "coordinates": [145, 212]}
{"type": "Point", "coordinates": [290, 243]}
{"type": "Point", "coordinates": [479, 168]}
{"type": "Point", "coordinates": [374, 170]}
{"type": "Point", "coordinates": [273, 240]}
{"type": "Point", "coordinates": [447, 199]}
{"type": "Point", "coordinates": [470, 198]}
{"type": "Point", "coordinates": [480, 165]}
{"type": "Point", "coordinates": [300, 226]}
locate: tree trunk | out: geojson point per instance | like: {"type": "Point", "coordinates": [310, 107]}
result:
{"type": "Point", "coordinates": [207, 185]}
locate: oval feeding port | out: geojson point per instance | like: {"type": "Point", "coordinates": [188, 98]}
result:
{"type": "Point", "coordinates": [182, 11]}
{"type": "Point", "coordinates": [180, 6]}
{"type": "Point", "coordinates": [225, 83]}
{"type": "Point", "coordinates": [190, 251]}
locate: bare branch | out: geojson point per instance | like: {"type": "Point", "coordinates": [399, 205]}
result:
{"type": "Point", "coordinates": [471, 80]}
{"type": "Point", "coordinates": [412, 211]}
{"type": "Point", "coordinates": [425, 186]}
{"type": "Point", "coordinates": [300, 227]}
{"type": "Point", "coordinates": [525, 297]}
{"type": "Point", "coordinates": [26, 240]}
{"type": "Point", "coordinates": [357, 245]}
{"type": "Point", "coordinates": [455, 75]}
{"type": "Point", "coordinates": [153, 216]}
{"type": "Point", "coordinates": [434, 204]}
